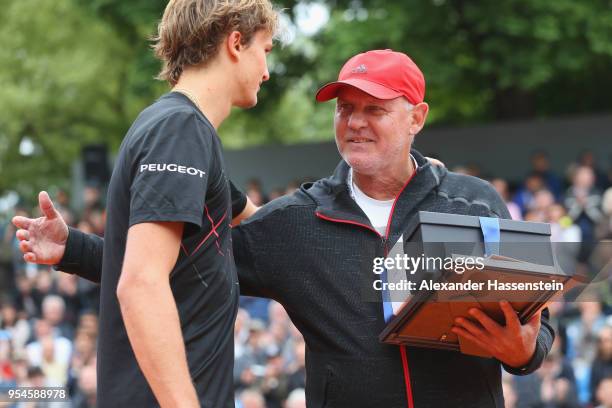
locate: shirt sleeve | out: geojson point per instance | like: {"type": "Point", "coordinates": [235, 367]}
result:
{"type": "Point", "coordinates": [239, 200]}
{"type": "Point", "coordinates": [171, 170]}
{"type": "Point", "coordinates": [249, 272]}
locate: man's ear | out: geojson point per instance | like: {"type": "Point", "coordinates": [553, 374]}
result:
{"type": "Point", "coordinates": [419, 115]}
{"type": "Point", "coordinates": [233, 44]}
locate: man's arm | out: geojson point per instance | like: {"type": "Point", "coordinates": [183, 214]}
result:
{"type": "Point", "coordinates": [150, 313]}
{"type": "Point", "coordinates": [248, 210]}
{"type": "Point", "coordinates": [47, 240]}
{"type": "Point", "coordinates": [251, 283]}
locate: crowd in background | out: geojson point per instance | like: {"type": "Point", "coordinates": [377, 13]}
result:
{"type": "Point", "coordinates": [48, 319]}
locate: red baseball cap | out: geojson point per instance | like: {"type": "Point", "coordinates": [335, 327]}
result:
{"type": "Point", "coordinates": [384, 74]}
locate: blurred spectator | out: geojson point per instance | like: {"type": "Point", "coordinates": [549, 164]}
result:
{"type": "Point", "coordinates": [604, 229]}
{"type": "Point", "coordinates": [62, 199]}
{"type": "Point", "coordinates": [249, 369]}
{"type": "Point", "coordinates": [291, 187]}
{"type": "Point", "coordinates": [86, 395]}
{"type": "Point", "coordinates": [53, 309]}
{"type": "Point", "coordinates": [582, 335]}
{"type": "Point", "coordinates": [604, 393]}
{"type": "Point", "coordinates": [565, 236]}
{"type": "Point", "coordinates": [501, 186]}
{"type": "Point", "coordinates": [583, 202]}
{"type": "Point", "coordinates": [553, 385]}
{"type": "Point", "coordinates": [257, 307]}
{"type": "Point", "coordinates": [53, 363]}
{"type": "Point", "coordinates": [510, 397]}
{"type": "Point", "coordinates": [48, 349]}
{"type": "Point", "coordinates": [84, 351]}
{"type": "Point", "coordinates": [7, 375]}
{"type": "Point", "coordinates": [92, 198]}
{"type": "Point", "coordinates": [67, 287]}
{"type": "Point", "coordinates": [602, 366]}
{"type": "Point", "coordinates": [241, 333]}
{"type": "Point", "coordinates": [538, 207]}
{"type": "Point", "coordinates": [525, 195]}
{"type": "Point", "coordinates": [276, 193]}
{"type": "Point", "coordinates": [251, 398]}
{"type": "Point", "coordinates": [255, 192]}
{"type": "Point", "coordinates": [297, 371]}
{"type": "Point", "coordinates": [24, 299]}
{"type": "Point", "coordinates": [16, 327]}
{"type": "Point", "coordinates": [88, 322]}
{"type": "Point", "coordinates": [274, 382]}
{"type": "Point", "coordinates": [540, 165]}
{"type": "Point", "coordinates": [562, 227]}
{"type": "Point", "coordinates": [587, 158]}
{"type": "Point", "coordinates": [96, 217]}
{"type": "Point", "coordinates": [296, 399]}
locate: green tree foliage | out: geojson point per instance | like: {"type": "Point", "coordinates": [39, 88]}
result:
{"type": "Point", "coordinates": [79, 71]}
{"type": "Point", "coordinates": [487, 59]}
{"type": "Point", "coordinates": [60, 82]}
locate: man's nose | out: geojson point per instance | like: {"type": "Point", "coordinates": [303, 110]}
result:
{"type": "Point", "coordinates": [356, 121]}
{"type": "Point", "coordinates": [266, 75]}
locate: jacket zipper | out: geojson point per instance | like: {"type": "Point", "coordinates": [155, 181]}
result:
{"type": "Point", "coordinates": [385, 241]}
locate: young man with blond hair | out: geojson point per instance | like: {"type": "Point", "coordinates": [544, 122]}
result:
{"type": "Point", "coordinates": [169, 292]}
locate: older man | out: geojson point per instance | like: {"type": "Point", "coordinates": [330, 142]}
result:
{"type": "Point", "coordinates": [313, 252]}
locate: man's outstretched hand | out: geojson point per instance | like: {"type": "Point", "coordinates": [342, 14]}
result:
{"type": "Point", "coordinates": [42, 240]}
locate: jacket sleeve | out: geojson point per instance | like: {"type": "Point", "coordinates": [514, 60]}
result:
{"type": "Point", "coordinates": [544, 342]}
{"type": "Point", "coordinates": [546, 335]}
{"type": "Point", "coordinates": [83, 255]}
{"type": "Point", "coordinates": [248, 260]}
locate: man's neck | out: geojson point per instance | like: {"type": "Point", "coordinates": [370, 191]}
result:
{"type": "Point", "coordinates": [385, 186]}
{"type": "Point", "coordinates": [211, 92]}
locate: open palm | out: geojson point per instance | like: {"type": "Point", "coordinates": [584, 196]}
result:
{"type": "Point", "coordinates": [42, 240]}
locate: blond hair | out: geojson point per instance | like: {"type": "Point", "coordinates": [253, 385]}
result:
{"type": "Point", "coordinates": [191, 31]}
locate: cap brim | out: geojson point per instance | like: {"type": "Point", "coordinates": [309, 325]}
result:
{"type": "Point", "coordinates": [330, 91]}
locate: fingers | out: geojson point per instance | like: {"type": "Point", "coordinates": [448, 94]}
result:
{"type": "Point", "coordinates": [22, 222]}
{"type": "Point", "coordinates": [460, 331]}
{"type": "Point", "coordinates": [22, 235]}
{"type": "Point", "coordinates": [512, 320]}
{"type": "Point", "coordinates": [489, 324]}
{"type": "Point", "coordinates": [470, 327]}
{"type": "Point", "coordinates": [46, 205]}
{"type": "Point", "coordinates": [25, 246]}
{"type": "Point", "coordinates": [535, 319]}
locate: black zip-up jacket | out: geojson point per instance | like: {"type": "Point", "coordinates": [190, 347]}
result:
{"type": "Point", "coordinates": [313, 252]}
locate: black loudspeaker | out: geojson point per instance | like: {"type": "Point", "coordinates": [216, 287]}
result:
{"type": "Point", "coordinates": [95, 165]}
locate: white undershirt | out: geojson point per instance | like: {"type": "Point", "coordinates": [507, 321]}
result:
{"type": "Point", "coordinates": [378, 212]}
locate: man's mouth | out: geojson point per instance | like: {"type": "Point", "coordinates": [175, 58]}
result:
{"type": "Point", "coordinates": [359, 140]}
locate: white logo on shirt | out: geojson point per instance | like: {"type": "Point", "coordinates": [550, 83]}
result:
{"type": "Point", "coordinates": [172, 167]}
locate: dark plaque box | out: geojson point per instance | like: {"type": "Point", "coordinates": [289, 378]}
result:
{"type": "Point", "coordinates": [522, 257]}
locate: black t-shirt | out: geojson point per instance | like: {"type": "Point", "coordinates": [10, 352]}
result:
{"type": "Point", "coordinates": [170, 168]}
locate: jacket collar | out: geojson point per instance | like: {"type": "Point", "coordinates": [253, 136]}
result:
{"type": "Point", "coordinates": [334, 202]}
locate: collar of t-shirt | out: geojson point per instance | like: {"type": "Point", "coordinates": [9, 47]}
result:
{"type": "Point", "coordinates": [377, 210]}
